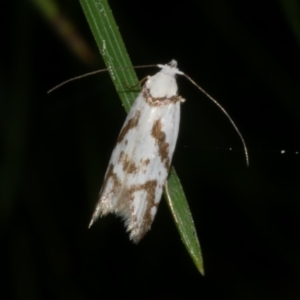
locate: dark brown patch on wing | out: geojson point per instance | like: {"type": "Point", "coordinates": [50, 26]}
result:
{"type": "Point", "coordinates": [132, 168]}
{"type": "Point", "coordinates": [133, 122]}
{"type": "Point", "coordinates": [163, 146]}
{"type": "Point", "coordinates": [144, 164]}
{"type": "Point", "coordinates": [128, 165]}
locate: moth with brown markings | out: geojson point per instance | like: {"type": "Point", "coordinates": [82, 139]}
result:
{"type": "Point", "coordinates": [140, 162]}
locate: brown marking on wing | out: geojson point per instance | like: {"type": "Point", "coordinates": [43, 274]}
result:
{"type": "Point", "coordinates": [128, 165]}
{"type": "Point", "coordinates": [126, 209]}
{"type": "Point", "coordinates": [159, 101]}
{"type": "Point", "coordinates": [103, 206]}
{"type": "Point", "coordinates": [131, 123]}
{"type": "Point", "coordinates": [150, 187]}
{"type": "Point", "coordinates": [121, 157]}
{"type": "Point", "coordinates": [144, 164]}
{"type": "Point", "coordinates": [163, 147]}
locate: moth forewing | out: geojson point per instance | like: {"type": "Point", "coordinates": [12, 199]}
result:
{"type": "Point", "coordinates": [140, 162]}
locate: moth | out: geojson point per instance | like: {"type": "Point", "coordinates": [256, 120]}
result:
{"type": "Point", "coordinates": [140, 162]}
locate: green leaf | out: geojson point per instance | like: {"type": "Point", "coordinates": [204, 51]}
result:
{"type": "Point", "coordinates": [112, 48]}
{"type": "Point", "coordinates": [115, 56]}
{"type": "Point", "coordinates": [183, 218]}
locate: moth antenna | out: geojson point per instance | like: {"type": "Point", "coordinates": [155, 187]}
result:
{"type": "Point", "coordinates": [144, 66]}
{"type": "Point", "coordinates": [225, 113]}
{"type": "Point", "coordinates": [92, 73]}
{"type": "Point", "coordinates": [76, 78]}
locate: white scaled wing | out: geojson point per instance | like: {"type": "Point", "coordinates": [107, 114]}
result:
{"type": "Point", "coordinates": [140, 162]}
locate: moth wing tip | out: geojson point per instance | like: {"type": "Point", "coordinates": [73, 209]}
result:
{"type": "Point", "coordinates": [94, 218]}
{"type": "Point", "coordinates": [91, 223]}
{"type": "Point", "coordinates": [137, 234]}
{"type": "Point", "coordinates": [135, 238]}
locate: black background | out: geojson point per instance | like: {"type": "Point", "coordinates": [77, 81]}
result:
{"type": "Point", "coordinates": [55, 150]}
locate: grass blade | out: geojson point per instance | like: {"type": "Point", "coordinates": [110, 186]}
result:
{"type": "Point", "coordinates": [114, 53]}
{"type": "Point", "coordinates": [112, 48]}
{"type": "Point", "coordinates": [183, 219]}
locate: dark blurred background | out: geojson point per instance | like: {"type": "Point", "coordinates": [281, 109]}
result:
{"type": "Point", "coordinates": [55, 149]}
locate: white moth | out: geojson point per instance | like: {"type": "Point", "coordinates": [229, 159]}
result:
{"type": "Point", "coordinates": [140, 162]}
